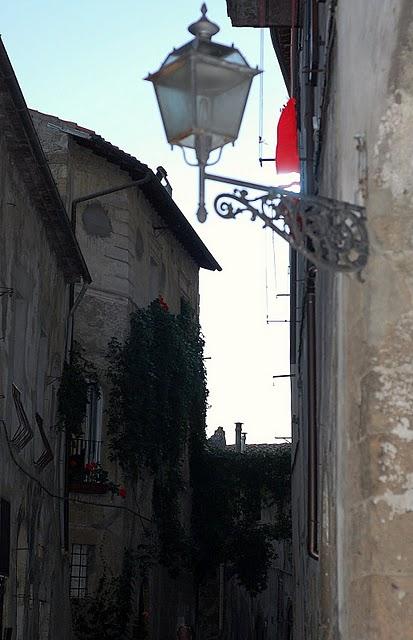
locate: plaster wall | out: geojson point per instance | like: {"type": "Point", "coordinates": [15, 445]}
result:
{"type": "Point", "coordinates": [32, 341]}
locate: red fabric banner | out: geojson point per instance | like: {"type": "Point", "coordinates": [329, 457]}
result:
{"type": "Point", "coordinates": [286, 154]}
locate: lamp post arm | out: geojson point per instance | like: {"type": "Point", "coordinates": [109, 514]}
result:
{"type": "Point", "coordinates": [247, 185]}
{"type": "Point", "coordinates": [330, 233]}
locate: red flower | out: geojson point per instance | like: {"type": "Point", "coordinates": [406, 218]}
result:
{"type": "Point", "coordinates": [163, 304]}
{"type": "Point", "coordinates": [90, 466]}
{"type": "Point", "coordinates": [72, 462]}
{"type": "Point", "coordinates": [122, 492]}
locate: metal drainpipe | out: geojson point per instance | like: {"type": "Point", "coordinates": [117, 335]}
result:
{"type": "Point", "coordinates": [73, 305]}
{"type": "Point", "coordinates": [310, 79]}
{"type": "Point", "coordinates": [293, 48]}
{"type": "Point", "coordinates": [308, 102]}
{"type": "Point", "coordinates": [293, 252]}
{"type": "Point", "coordinates": [313, 506]}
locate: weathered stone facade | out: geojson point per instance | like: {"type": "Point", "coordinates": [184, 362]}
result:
{"type": "Point", "coordinates": [138, 246]}
{"type": "Point", "coordinates": [352, 76]}
{"type": "Point", "coordinates": [362, 585]}
{"type": "Point", "coordinates": [39, 257]}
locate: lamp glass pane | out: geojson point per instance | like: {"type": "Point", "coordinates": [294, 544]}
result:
{"type": "Point", "coordinates": [235, 57]}
{"type": "Point", "coordinates": [176, 112]}
{"type": "Point", "coordinates": [212, 78]}
{"type": "Point", "coordinates": [174, 94]}
{"type": "Point", "coordinates": [222, 52]}
{"type": "Point", "coordinates": [203, 90]}
{"type": "Point", "coordinates": [221, 97]}
{"type": "Point", "coordinates": [228, 109]}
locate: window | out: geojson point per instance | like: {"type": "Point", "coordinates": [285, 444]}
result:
{"type": "Point", "coordinates": [78, 570]}
{"type": "Point", "coordinates": [93, 423]}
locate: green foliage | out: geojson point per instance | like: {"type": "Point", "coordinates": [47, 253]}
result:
{"type": "Point", "coordinates": [158, 386]}
{"type": "Point", "coordinates": [158, 392]}
{"type": "Point", "coordinates": [73, 392]}
{"type": "Point", "coordinates": [251, 552]}
{"type": "Point", "coordinates": [109, 614]}
{"type": "Point", "coordinates": [228, 491]}
{"type": "Point", "coordinates": [157, 413]}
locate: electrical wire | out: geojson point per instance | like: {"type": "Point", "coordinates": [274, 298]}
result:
{"type": "Point", "coordinates": [63, 498]}
{"type": "Point", "coordinates": [266, 277]}
{"type": "Point", "coordinates": [261, 99]}
{"type": "Point", "coordinates": [274, 262]}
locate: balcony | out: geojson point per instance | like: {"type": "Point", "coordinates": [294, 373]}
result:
{"type": "Point", "coordinates": [86, 474]}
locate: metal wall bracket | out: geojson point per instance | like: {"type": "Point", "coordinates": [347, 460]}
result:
{"type": "Point", "coordinates": [329, 233]}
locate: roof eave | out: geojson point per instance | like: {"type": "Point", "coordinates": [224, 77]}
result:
{"type": "Point", "coordinates": [38, 177]}
{"type": "Point", "coordinates": [157, 195]}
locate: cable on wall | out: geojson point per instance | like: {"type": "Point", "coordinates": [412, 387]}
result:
{"type": "Point", "coordinates": [76, 500]}
{"type": "Point", "coordinates": [261, 99]}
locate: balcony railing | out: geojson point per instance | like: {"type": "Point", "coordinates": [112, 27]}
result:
{"type": "Point", "coordinates": [87, 451]}
{"type": "Point", "coordinates": [85, 470]}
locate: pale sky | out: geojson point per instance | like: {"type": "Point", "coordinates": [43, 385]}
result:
{"type": "Point", "coordinates": [84, 60]}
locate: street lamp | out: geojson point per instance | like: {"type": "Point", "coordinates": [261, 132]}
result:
{"type": "Point", "coordinates": [202, 89]}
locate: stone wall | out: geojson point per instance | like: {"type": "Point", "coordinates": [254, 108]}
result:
{"type": "Point", "coordinates": [362, 586]}
{"type": "Point", "coordinates": [374, 411]}
{"type": "Point", "coordinates": [32, 343]}
{"type": "Point", "coordinates": [133, 259]}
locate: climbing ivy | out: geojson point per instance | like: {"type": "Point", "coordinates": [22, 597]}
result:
{"type": "Point", "coordinates": [72, 395]}
{"type": "Point", "coordinates": [158, 398]}
{"type": "Point", "coordinates": [229, 490]}
{"type": "Point", "coordinates": [157, 417]}
{"type": "Point", "coordinates": [111, 612]}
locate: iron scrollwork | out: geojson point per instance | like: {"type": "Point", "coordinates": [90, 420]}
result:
{"type": "Point", "coordinates": [329, 233]}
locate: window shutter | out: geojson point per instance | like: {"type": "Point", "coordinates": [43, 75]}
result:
{"type": "Point", "coordinates": [4, 537]}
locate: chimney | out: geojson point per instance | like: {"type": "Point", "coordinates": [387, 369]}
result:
{"type": "Point", "coordinates": [243, 442]}
{"type": "Point", "coordinates": [238, 429]}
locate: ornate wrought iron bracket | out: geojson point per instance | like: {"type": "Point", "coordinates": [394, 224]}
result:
{"type": "Point", "coordinates": [329, 233]}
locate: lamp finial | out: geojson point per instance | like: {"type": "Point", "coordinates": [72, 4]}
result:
{"type": "Point", "coordinates": [203, 29]}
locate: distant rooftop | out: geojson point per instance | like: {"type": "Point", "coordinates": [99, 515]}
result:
{"type": "Point", "coordinates": [218, 440]}
{"type": "Point", "coordinates": [262, 447]}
